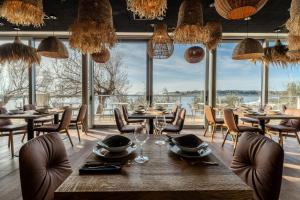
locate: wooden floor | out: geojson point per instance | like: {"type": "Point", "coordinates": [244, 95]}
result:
{"type": "Point", "coordinates": [9, 168]}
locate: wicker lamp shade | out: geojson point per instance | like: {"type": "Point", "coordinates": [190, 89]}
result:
{"type": "Point", "coordinates": [190, 27]}
{"type": "Point", "coordinates": [52, 47]}
{"type": "Point", "coordinates": [294, 47]}
{"type": "Point", "coordinates": [293, 24]}
{"type": "Point", "coordinates": [160, 46]}
{"type": "Point", "coordinates": [101, 57]}
{"type": "Point", "coordinates": [149, 9]}
{"type": "Point", "coordinates": [248, 49]}
{"type": "Point", "coordinates": [194, 54]}
{"type": "Point", "coordinates": [214, 30]}
{"type": "Point", "coordinates": [23, 12]}
{"type": "Point", "coordinates": [93, 30]}
{"type": "Point", "coordinates": [238, 9]}
{"type": "Point", "coordinates": [17, 51]}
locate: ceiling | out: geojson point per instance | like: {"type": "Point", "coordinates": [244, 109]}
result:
{"type": "Point", "coordinates": [273, 15]}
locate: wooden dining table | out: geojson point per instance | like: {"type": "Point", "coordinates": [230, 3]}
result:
{"type": "Point", "coordinates": [165, 176]}
{"type": "Point", "coordinates": [30, 116]}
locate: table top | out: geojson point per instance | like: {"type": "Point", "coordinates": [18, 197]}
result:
{"type": "Point", "coordinates": [164, 176]}
{"type": "Point", "coordinates": [29, 115]}
{"type": "Point", "coordinates": [267, 116]}
{"type": "Point", "coordinates": [150, 115]}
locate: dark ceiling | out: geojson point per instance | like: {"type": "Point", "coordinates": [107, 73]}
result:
{"type": "Point", "coordinates": [273, 15]}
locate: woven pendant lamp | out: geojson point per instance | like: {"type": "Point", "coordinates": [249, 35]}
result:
{"type": "Point", "coordinates": [160, 46]}
{"type": "Point", "coordinates": [190, 27]}
{"type": "Point", "coordinates": [194, 54]}
{"type": "Point", "coordinates": [214, 30]}
{"type": "Point", "coordinates": [248, 49]}
{"type": "Point", "coordinates": [293, 23]}
{"type": "Point", "coordinates": [294, 47]}
{"type": "Point", "coordinates": [23, 12]}
{"type": "Point", "coordinates": [149, 9]}
{"type": "Point", "coordinates": [238, 9]}
{"type": "Point", "coordinates": [17, 51]}
{"type": "Point", "coordinates": [52, 47]}
{"type": "Point", "coordinates": [93, 30]}
{"type": "Point", "coordinates": [101, 57]}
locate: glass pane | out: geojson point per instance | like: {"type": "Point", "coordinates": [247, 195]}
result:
{"type": "Point", "coordinates": [120, 81]}
{"type": "Point", "coordinates": [238, 82]}
{"type": "Point", "coordinates": [175, 81]}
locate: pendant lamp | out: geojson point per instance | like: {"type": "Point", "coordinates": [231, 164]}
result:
{"type": "Point", "coordinates": [248, 49]}
{"type": "Point", "coordinates": [52, 47]}
{"type": "Point", "coordinates": [293, 23]}
{"type": "Point", "coordinates": [101, 57]}
{"type": "Point", "coordinates": [214, 30]}
{"type": "Point", "coordinates": [160, 46]}
{"type": "Point", "coordinates": [194, 54]}
{"type": "Point", "coordinates": [149, 9]}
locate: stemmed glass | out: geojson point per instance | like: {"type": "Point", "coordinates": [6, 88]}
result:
{"type": "Point", "coordinates": [141, 135]}
{"type": "Point", "coordinates": [160, 125]}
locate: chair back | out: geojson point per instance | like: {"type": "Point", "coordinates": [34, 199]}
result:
{"type": "Point", "coordinates": [230, 120]}
{"type": "Point", "coordinates": [82, 113]}
{"type": "Point", "coordinates": [44, 165]}
{"type": "Point", "coordinates": [4, 122]}
{"type": "Point", "coordinates": [125, 113]}
{"type": "Point", "coordinates": [65, 119]}
{"type": "Point", "coordinates": [119, 120]}
{"type": "Point", "coordinates": [180, 119]}
{"type": "Point", "coordinates": [29, 107]}
{"type": "Point", "coordinates": [259, 161]}
{"type": "Point", "coordinates": [295, 123]}
{"type": "Point", "coordinates": [175, 110]}
{"type": "Point", "coordinates": [209, 114]}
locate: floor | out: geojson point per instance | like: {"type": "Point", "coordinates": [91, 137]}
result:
{"type": "Point", "coordinates": [9, 173]}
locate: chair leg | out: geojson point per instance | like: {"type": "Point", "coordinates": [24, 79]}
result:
{"type": "Point", "coordinates": [77, 127]}
{"type": "Point", "coordinates": [23, 137]}
{"type": "Point", "coordinates": [280, 138]}
{"type": "Point", "coordinates": [84, 127]}
{"type": "Point", "coordinates": [206, 128]}
{"type": "Point", "coordinates": [11, 144]}
{"type": "Point", "coordinates": [213, 132]}
{"type": "Point", "coordinates": [235, 144]}
{"type": "Point", "coordinates": [297, 136]}
{"type": "Point", "coordinates": [67, 131]}
{"type": "Point", "coordinates": [225, 138]}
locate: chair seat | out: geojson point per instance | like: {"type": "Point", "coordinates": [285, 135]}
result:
{"type": "Point", "coordinates": [219, 121]}
{"type": "Point", "coordinates": [171, 128]}
{"type": "Point", "coordinates": [249, 120]}
{"type": "Point", "coordinates": [13, 127]}
{"type": "Point", "coordinates": [43, 120]}
{"type": "Point", "coordinates": [249, 129]}
{"type": "Point", "coordinates": [74, 121]}
{"type": "Point", "coordinates": [47, 128]}
{"type": "Point", "coordinates": [135, 120]}
{"type": "Point", "coordinates": [281, 128]}
{"type": "Point", "coordinates": [128, 129]}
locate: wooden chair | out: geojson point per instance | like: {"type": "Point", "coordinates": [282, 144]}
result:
{"type": "Point", "coordinates": [174, 113]}
{"type": "Point", "coordinates": [234, 130]}
{"type": "Point", "coordinates": [212, 121]}
{"type": "Point", "coordinates": [40, 121]}
{"type": "Point", "coordinates": [120, 123]}
{"type": "Point", "coordinates": [63, 126]}
{"type": "Point", "coordinates": [79, 121]}
{"type": "Point", "coordinates": [126, 118]}
{"type": "Point", "coordinates": [177, 125]}
{"type": "Point", "coordinates": [286, 128]}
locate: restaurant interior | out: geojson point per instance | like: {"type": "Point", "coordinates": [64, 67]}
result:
{"type": "Point", "coordinates": [149, 99]}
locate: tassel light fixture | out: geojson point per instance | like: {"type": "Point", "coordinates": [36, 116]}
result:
{"type": "Point", "coordinates": [293, 23]}
{"type": "Point", "coordinates": [160, 46]}
{"type": "Point", "coordinates": [214, 30]}
{"type": "Point", "coordinates": [238, 9]}
{"type": "Point", "coordinates": [17, 51]}
{"type": "Point", "coordinates": [190, 29]}
{"type": "Point", "coordinates": [93, 29]}
{"type": "Point", "coordinates": [23, 12]}
{"type": "Point", "coordinates": [149, 9]}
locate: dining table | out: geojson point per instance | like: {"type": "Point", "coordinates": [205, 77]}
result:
{"type": "Point", "coordinates": [150, 116]}
{"type": "Point", "coordinates": [30, 116]}
{"type": "Point", "coordinates": [165, 176]}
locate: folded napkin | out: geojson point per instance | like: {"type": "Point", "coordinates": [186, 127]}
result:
{"type": "Point", "coordinates": [100, 168]}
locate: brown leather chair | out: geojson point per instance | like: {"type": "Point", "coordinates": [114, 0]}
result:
{"type": "Point", "coordinates": [258, 161]}
{"type": "Point", "coordinates": [126, 118]}
{"type": "Point", "coordinates": [177, 125]}
{"type": "Point", "coordinates": [63, 126]}
{"type": "Point", "coordinates": [174, 113]}
{"type": "Point", "coordinates": [79, 121]}
{"type": "Point", "coordinates": [120, 123]}
{"type": "Point", "coordinates": [44, 165]}
{"type": "Point", "coordinates": [286, 128]}
{"type": "Point", "coordinates": [212, 121]}
{"type": "Point", "coordinates": [234, 130]}
{"type": "Point", "coordinates": [40, 121]}
{"type": "Point", "coordinates": [7, 128]}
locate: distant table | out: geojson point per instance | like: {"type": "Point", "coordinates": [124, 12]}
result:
{"type": "Point", "coordinates": [164, 176]}
{"type": "Point", "coordinates": [150, 116]}
{"type": "Point", "coordinates": [29, 117]}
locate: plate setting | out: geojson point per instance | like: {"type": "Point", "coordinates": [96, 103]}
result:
{"type": "Point", "coordinates": [199, 154]}
{"type": "Point", "coordinates": [104, 153]}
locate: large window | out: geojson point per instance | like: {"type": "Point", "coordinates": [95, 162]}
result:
{"type": "Point", "coordinates": [175, 81]}
{"type": "Point", "coordinates": [120, 81]}
{"type": "Point", "coordinates": [238, 82]}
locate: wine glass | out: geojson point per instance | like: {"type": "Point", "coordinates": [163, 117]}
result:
{"type": "Point", "coordinates": [141, 135]}
{"type": "Point", "coordinates": [160, 125]}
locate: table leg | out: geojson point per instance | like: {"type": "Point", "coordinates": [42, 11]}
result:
{"type": "Point", "coordinates": [56, 118]}
{"type": "Point", "coordinates": [30, 132]}
{"type": "Point", "coordinates": [151, 126]}
{"type": "Point", "coordinates": [262, 125]}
